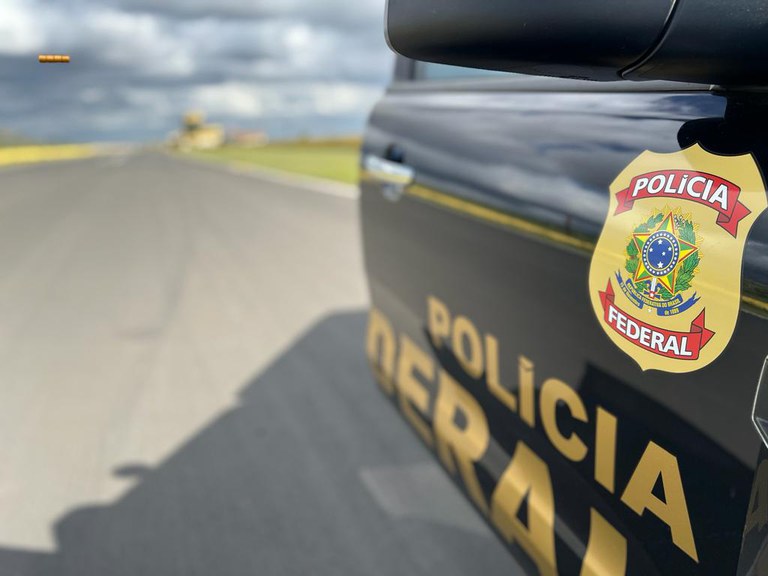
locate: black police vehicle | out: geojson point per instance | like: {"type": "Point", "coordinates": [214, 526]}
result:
{"type": "Point", "coordinates": [566, 240]}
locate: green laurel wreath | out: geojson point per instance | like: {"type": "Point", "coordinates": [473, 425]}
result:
{"type": "Point", "coordinates": [687, 270]}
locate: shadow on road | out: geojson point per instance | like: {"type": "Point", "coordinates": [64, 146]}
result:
{"type": "Point", "coordinates": [273, 487]}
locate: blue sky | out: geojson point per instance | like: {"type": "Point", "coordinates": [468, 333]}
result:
{"type": "Point", "coordinates": [289, 67]}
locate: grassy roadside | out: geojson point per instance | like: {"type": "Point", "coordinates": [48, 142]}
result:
{"type": "Point", "coordinates": [332, 161]}
{"type": "Point", "coordinates": [13, 155]}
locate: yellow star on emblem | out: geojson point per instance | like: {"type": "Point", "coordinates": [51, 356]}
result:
{"type": "Point", "coordinates": [661, 252]}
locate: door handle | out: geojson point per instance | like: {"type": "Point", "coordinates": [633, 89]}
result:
{"type": "Point", "coordinates": [393, 176]}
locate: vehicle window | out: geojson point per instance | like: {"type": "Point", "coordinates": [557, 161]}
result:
{"type": "Point", "coordinates": [431, 71]}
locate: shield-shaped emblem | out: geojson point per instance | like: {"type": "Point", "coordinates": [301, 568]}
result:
{"type": "Point", "coordinates": [665, 279]}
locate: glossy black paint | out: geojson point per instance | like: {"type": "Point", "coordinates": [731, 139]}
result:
{"type": "Point", "coordinates": [546, 151]}
{"type": "Point", "coordinates": [710, 41]}
{"type": "Point", "coordinates": [704, 41]}
{"type": "Point", "coordinates": [586, 39]}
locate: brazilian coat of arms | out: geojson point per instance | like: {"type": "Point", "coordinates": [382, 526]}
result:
{"type": "Point", "coordinates": [662, 258]}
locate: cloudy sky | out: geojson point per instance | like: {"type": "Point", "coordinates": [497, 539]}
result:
{"type": "Point", "coordinates": [289, 67]}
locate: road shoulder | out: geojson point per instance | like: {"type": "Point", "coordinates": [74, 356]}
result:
{"type": "Point", "coordinates": [329, 187]}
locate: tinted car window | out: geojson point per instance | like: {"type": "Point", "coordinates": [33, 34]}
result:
{"type": "Point", "coordinates": [430, 71]}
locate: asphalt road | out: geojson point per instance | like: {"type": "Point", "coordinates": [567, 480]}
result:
{"type": "Point", "coordinates": [183, 388]}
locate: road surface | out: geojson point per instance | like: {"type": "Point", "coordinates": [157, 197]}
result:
{"type": "Point", "coordinates": [183, 389]}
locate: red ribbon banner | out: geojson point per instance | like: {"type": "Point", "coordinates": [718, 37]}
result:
{"type": "Point", "coordinates": [668, 343]}
{"type": "Point", "coordinates": [700, 187]}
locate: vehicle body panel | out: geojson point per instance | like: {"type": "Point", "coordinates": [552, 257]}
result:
{"type": "Point", "coordinates": [510, 195]}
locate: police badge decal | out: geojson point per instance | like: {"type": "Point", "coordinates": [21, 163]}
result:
{"type": "Point", "coordinates": [665, 278]}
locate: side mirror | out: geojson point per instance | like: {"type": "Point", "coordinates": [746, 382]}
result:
{"type": "Point", "coordinates": [702, 41]}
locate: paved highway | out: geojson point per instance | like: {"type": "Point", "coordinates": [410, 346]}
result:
{"type": "Point", "coordinates": [183, 389]}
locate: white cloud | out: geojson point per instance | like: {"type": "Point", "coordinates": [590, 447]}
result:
{"type": "Point", "coordinates": [284, 100]}
{"type": "Point", "coordinates": [230, 99]}
{"type": "Point", "coordinates": [19, 30]}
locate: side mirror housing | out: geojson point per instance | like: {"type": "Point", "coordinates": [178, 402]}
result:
{"type": "Point", "coordinates": [702, 41]}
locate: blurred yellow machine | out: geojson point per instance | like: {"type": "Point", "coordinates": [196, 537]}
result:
{"type": "Point", "coordinates": [195, 134]}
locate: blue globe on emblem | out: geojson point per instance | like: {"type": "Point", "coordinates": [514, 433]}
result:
{"type": "Point", "coordinates": [661, 253]}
